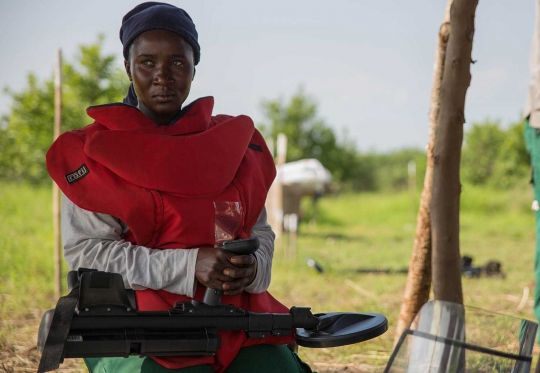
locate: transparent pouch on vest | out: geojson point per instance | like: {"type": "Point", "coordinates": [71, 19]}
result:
{"type": "Point", "coordinates": [228, 218]}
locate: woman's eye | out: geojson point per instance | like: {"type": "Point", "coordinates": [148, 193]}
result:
{"type": "Point", "coordinates": [147, 63]}
{"type": "Point", "coordinates": [178, 63]}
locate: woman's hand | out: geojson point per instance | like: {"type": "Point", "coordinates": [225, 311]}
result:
{"type": "Point", "coordinates": [210, 265]}
{"type": "Point", "coordinates": [243, 272]}
{"type": "Point", "coordinates": [218, 269]}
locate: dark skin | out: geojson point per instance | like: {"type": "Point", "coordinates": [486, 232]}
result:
{"type": "Point", "coordinates": [161, 67]}
{"type": "Point", "coordinates": [213, 269]}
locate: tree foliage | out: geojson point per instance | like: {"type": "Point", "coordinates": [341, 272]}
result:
{"type": "Point", "coordinates": [513, 162]}
{"type": "Point", "coordinates": [308, 135]}
{"type": "Point", "coordinates": [393, 169]}
{"type": "Point", "coordinates": [482, 143]}
{"type": "Point", "coordinates": [27, 131]}
{"type": "Point", "coordinates": [494, 156]}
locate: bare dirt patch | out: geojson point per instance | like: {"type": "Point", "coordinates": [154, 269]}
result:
{"type": "Point", "coordinates": [18, 340]}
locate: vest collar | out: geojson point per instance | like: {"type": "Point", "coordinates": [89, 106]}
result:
{"type": "Point", "coordinates": [202, 162]}
{"type": "Point", "coordinates": [195, 117]}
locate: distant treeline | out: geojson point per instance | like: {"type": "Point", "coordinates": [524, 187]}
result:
{"type": "Point", "coordinates": [492, 155]}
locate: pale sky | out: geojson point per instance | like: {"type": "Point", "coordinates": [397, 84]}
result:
{"type": "Point", "coordinates": [368, 64]}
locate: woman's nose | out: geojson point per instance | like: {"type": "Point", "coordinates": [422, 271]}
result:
{"type": "Point", "coordinates": [163, 74]}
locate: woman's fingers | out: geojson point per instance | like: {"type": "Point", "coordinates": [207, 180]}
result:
{"type": "Point", "coordinates": [218, 269]}
{"type": "Point", "coordinates": [242, 260]}
{"type": "Point", "coordinates": [243, 272]}
{"type": "Point", "coordinates": [238, 273]}
{"type": "Point", "coordinates": [209, 267]}
{"type": "Point", "coordinates": [236, 286]}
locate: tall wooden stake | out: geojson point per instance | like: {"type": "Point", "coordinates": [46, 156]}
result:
{"type": "Point", "coordinates": [56, 191]}
{"type": "Point", "coordinates": [274, 201]}
{"type": "Point", "coordinates": [447, 156]}
{"type": "Point", "coordinates": [419, 276]}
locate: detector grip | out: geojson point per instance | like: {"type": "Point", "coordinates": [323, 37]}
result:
{"type": "Point", "coordinates": [245, 246]}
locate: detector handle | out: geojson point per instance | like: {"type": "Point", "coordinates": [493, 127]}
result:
{"type": "Point", "coordinates": [244, 246]}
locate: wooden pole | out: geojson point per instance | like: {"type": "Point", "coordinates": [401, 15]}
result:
{"type": "Point", "coordinates": [274, 201]}
{"type": "Point", "coordinates": [281, 156]}
{"type": "Point", "coordinates": [419, 277]}
{"type": "Point", "coordinates": [56, 191]}
{"type": "Point", "coordinates": [293, 236]}
{"type": "Point", "coordinates": [448, 141]}
{"type": "Point", "coordinates": [411, 175]}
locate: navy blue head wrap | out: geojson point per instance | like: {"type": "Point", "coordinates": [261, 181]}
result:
{"type": "Point", "coordinates": [151, 16]}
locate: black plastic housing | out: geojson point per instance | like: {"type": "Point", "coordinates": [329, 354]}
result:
{"type": "Point", "coordinates": [107, 324]}
{"type": "Point", "coordinates": [342, 328]}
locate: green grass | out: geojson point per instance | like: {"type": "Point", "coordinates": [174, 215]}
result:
{"type": "Point", "coordinates": [376, 230]}
{"type": "Point", "coordinates": [26, 247]}
{"type": "Point", "coordinates": [368, 230]}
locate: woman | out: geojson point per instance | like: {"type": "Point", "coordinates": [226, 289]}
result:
{"type": "Point", "coordinates": [142, 182]}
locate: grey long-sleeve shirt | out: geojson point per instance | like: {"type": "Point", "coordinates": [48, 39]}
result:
{"type": "Point", "coordinates": [93, 240]}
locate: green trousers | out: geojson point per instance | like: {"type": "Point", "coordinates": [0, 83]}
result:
{"type": "Point", "coordinates": [532, 142]}
{"type": "Point", "coordinates": [259, 358]}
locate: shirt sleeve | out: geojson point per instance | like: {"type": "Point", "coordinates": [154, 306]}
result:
{"type": "Point", "coordinates": [93, 240]}
{"type": "Point", "coordinates": [264, 255]}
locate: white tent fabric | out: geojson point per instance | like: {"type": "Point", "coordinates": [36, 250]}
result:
{"type": "Point", "coordinates": [306, 175]}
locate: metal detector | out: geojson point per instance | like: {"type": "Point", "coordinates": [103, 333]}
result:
{"type": "Point", "coordinates": [99, 318]}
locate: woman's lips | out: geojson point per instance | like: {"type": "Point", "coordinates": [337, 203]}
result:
{"type": "Point", "coordinates": [164, 97]}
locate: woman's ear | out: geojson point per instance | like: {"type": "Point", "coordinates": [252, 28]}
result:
{"type": "Point", "coordinates": [194, 72]}
{"type": "Point", "coordinates": [127, 66]}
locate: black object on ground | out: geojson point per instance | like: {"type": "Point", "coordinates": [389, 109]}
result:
{"type": "Point", "coordinates": [492, 268]}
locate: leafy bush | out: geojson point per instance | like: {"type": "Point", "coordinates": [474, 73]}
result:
{"type": "Point", "coordinates": [494, 156]}
{"type": "Point", "coordinates": [27, 131]}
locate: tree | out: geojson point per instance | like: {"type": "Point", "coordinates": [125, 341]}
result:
{"type": "Point", "coordinates": [495, 156]}
{"type": "Point", "coordinates": [419, 277]}
{"type": "Point", "coordinates": [308, 136]}
{"type": "Point", "coordinates": [436, 246]}
{"type": "Point", "coordinates": [481, 151]}
{"type": "Point", "coordinates": [445, 200]}
{"type": "Point", "coordinates": [513, 161]}
{"type": "Point", "coordinates": [27, 131]}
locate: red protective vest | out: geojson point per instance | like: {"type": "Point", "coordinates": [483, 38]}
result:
{"type": "Point", "coordinates": [162, 181]}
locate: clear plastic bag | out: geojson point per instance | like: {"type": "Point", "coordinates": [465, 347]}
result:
{"type": "Point", "coordinates": [227, 222]}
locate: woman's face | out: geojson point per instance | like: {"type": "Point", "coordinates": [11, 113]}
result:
{"type": "Point", "coordinates": [161, 67]}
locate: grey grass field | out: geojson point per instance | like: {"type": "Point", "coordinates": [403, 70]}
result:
{"type": "Point", "coordinates": [350, 235]}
